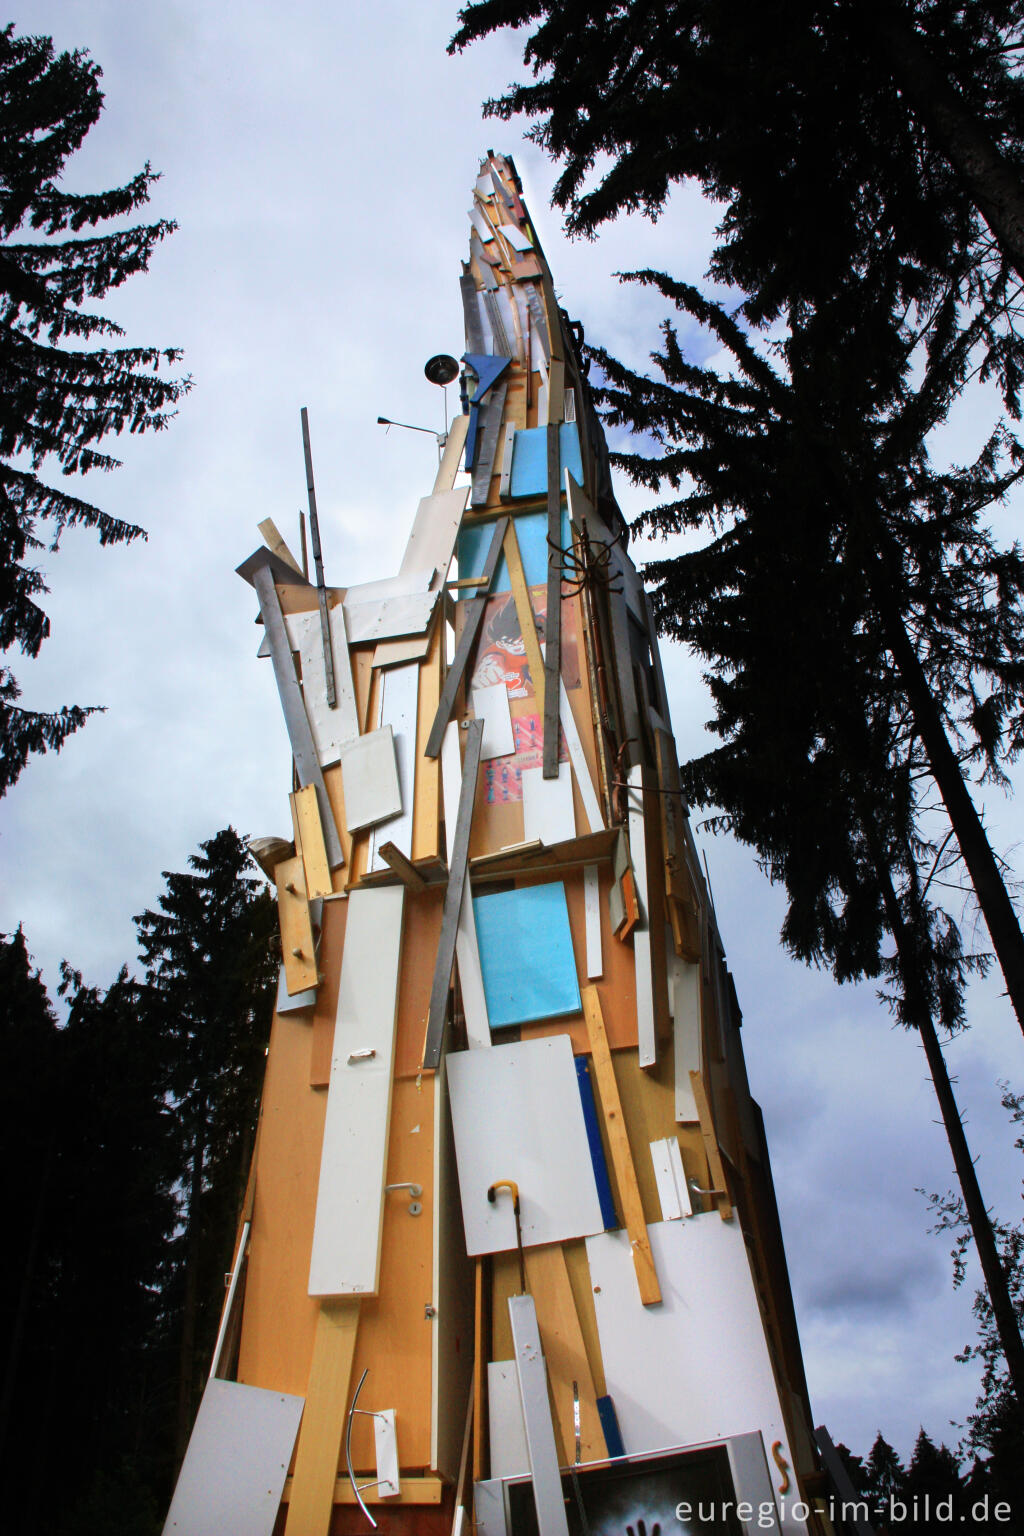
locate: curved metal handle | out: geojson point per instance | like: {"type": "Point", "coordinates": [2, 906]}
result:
{"type": "Point", "coordinates": [348, 1452]}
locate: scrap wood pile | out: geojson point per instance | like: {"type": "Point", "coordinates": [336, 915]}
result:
{"type": "Point", "coordinates": [509, 1251]}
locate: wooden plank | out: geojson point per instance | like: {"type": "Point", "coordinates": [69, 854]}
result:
{"type": "Point", "coordinates": [453, 1326]}
{"type": "Point", "coordinates": [492, 412]}
{"type": "Point", "coordinates": [458, 862]}
{"type": "Point", "coordinates": [578, 758]}
{"type": "Point", "coordinates": [507, 450]}
{"type": "Point", "coordinates": [618, 1143]}
{"type": "Point", "coordinates": [391, 653]}
{"type": "Point", "coordinates": [673, 1191]}
{"type": "Point", "coordinates": [479, 1369]}
{"type": "Point", "coordinates": [553, 628]}
{"type": "Point", "coordinates": [407, 872]}
{"type": "Point", "coordinates": [298, 951]}
{"type": "Point", "coordinates": [309, 841]}
{"type": "Point", "coordinates": [426, 819]}
{"type": "Point", "coordinates": [490, 705]}
{"type": "Point", "coordinates": [345, 1258]}
{"type": "Point", "coordinates": [540, 1432]}
{"type": "Point", "coordinates": [467, 953]}
{"type": "Point", "coordinates": [274, 542]}
{"type": "Point", "coordinates": [467, 640]}
{"type": "Point", "coordinates": [390, 617]}
{"type": "Point", "coordinates": [714, 1156]}
{"type": "Point", "coordinates": [304, 752]}
{"type": "Point", "coordinates": [506, 1435]}
{"type": "Point", "coordinates": [646, 1029]}
{"type": "Point", "coordinates": [323, 1421]}
{"type": "Point", "coordinates": [448, 468]}
{"type": "Point", "coordinates": [561, 1338]}
{"type": "Point", "coordinates": [414, 1490]}
{"type": "Point", "coordinates": [369, 776]}
{"type": "Point", "coordinates": [435, 529]}
{"type": "Point", "coordinates": [592, 910]}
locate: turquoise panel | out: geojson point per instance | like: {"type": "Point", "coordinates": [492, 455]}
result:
{"type": "Point", "coordinates": [526, 954]}
{"type": "Point", "coordinates": [532, 534]}
{"type": "Point", "coordinates": [530, 459]}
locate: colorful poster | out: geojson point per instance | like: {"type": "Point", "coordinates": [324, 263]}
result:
{"type": "Point", "coordinates": [501, 654]}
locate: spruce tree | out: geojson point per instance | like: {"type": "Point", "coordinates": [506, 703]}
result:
{"type": "Point", "coordinates": [212, 961]}
{"type": "Point", "coordinates": [66, 382]}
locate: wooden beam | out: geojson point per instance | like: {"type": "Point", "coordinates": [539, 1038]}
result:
{"type": "Point", "coordinates": [467, 640]}
{"type": "Point", "coordinates": [553, 623]}
{"type": "Point", "coordinates": [458, 864]}
{"type": "Point", "coordinates": [274, 541]}
{"type": "Point", "coordinates": [714, 1156]}
{"type": "Point", "coordinates": [297, 948]}
{"type": "Point", "coordinates": [403, 867]}
{"type": "Point", "coordinates": [561, 1338]}
{"type": "Point", "coordinates": [448, 468]}
{"type": "Point", "coordinates": [312, 1492]}
{"type": "Point", "coordinates": [618, 1143]}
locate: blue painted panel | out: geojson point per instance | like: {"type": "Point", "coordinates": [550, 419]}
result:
{"type": "Point", "coordinates": [530, 459]}
{"type": "Point", "coordinates": [597, 1157]}
{"type": "Point", "coordinates": [610, 1424]}
{"type": "Point", "coordinates": [532, 535]}
{"type": "Point", "coordinates": [526, 954]}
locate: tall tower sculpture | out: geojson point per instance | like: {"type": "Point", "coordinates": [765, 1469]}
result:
{"type": "Point", "coordinates": [509, 1254]}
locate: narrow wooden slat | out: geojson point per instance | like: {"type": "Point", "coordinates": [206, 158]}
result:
{"type": "Point", "coordinates": [561, 1339]}
{"type": "Point", "coordinates": [323, 1420]}
{"type": "Point", "coordinates": [714, 1156]}
{"type": "Point", "coordinates": [458, 863]}
{"type": "Point", "coordinates": [297, 949]}
{"type": "Point", "coordinates": [406, 871]}
{"type": "Point", "coordinates": [299, 734]}
{"type": "Point", "coordinates": [467, 641]}
{"type": "Point", "coordinates": [273, 540]}
{"type": "Point", "coordinates": [309, 841]}
{"type": "Point", "coordinates": [553, 625]}
{"type": "Point", "coordinates": [618, 1142]}
{"type": "Point", "coordinates": [492, 412]}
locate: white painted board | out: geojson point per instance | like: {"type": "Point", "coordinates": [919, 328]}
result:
{"type": "Point", "coordinates": [399, 698]}
{"type": "Point", "coordinates": [517, 1114]}
{"type": "Point", "coordinates": [685, 993]}
{"type": "Point", "coordinates": [708, 1327]}
{"type": "Point", "coordinates": [592, 920]}
{"type": "Point", "coordinates": [517, 238]}
{"type": "Point", "coordinates": [673, 1190]}
{"type": "Point", "coordinates": [414, 581]}
{"type": "Point", "coordinates": [353, 1163]}
{"type": "Point", "coordinates": [331, 728]}
{"type": "Point", "coordinates": [369, 776]}
{"type": "Point", "coordinates": [491, 706]}
{"type": "Point", "coordinates": [385, 1444]}
{"type": "Point", "coordinates": [389, 617]}
{"type": "Point", "coordinates": [577, 756]}
{"type": "Point", "coordinates": [293, 1002]}
{"type": "Point", "coordinates": [646, 1034]}
{"type": "Point", "coordinates": [467, 953]}
{"type": "Point", "coordinates": [481, 225]}
{"type": "Point", "coordinates": [509, 1456]}
{"type": "Point", "coordinates": [434, 531]}
{"type": "Point", "coordinates": [235, 1467]}
{"type": "Point", "coordinates": [547, 806]}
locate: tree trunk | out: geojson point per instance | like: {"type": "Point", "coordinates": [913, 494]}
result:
{"type": "Point", "coordinates": [190, 1302]}
{"type": "Point", "coordinates": [977, 1214]}
{"type": "Point", "coordinates": [992, 184]}
{"type": "Point", "coordinates": [993, 899]}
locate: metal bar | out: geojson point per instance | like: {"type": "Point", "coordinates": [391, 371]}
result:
{"type": "Point", "coordinates": [348, 1453]}
{"type": "Point", "coordinates": [467, 640]}
{"type": "Point", "coordinates": [458, 864]}
{"type": "Point", "coordinates": [304, 752]}
{"type": "Point", "coordinates": [540, 1432]}
{"type": "Point", "coordinates": [492, 411]}
{"type": "Point", "coordinates": [553, 622]}
{"type": "Point", "coordinates": [321, 589]}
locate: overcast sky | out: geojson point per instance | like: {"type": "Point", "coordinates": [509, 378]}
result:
{"type": "Point", "coordinates": [320, 169]}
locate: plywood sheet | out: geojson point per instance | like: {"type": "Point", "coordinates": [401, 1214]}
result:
{"type": "Point", "coordinates": [517, 1115]}
{"type": "Point", "coordinates": [708, 1325]}
{"type": "Point", "coordinates": [526, 954]}
{"type": "Point", "coordinates": [346, 1237]}
{"type": "Point", "coordinates": [233, 1474]}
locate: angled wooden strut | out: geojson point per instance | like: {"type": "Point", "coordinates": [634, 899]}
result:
{"type": "Point", "coordinates": [553, 621]}
{"type": "Point", "coordinates": [467, 640]}
{"type": "Point", "coordinates": [304, 751]}
{"type": "Point", "coordinates": [458, 865]}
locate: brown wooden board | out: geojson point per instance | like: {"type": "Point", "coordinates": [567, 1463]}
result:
{"type": "Point", "coordinates": [297, 948]}
{"type": "Point", "coordinates": [565, 1353]}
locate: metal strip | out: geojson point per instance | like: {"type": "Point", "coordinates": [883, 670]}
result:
{"type": "Point", "coordinates": [553, 621]}
{"type": "Point", "coordinates": [493, 412]}
{"type": "Point", "coordinates": [540, 1432]}
{"type": "Point", "coordinates": [458, 865]}
{"type": "Point", "coordinates": [474, 329]}
{"type": "Point", "coordinates": [321, 589]}
{"type": "Point", "coordinates": [299, 734]}
{"type": "Point", "coordinates": [467, 640]}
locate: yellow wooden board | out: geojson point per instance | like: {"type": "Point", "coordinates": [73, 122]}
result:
{"type": "Point", "coordinates": [297, 949]}
{"type": "Point", "coordinates": [561, 1339]}
{"type": "Point", "coordinates": [309, 842]}
{"type": "Point", "coordinates": [632, 1211]}
{"type": "Point", "coordinates": [707, 1128]}
{"type": "Point", "coordinates": [323, 1418]}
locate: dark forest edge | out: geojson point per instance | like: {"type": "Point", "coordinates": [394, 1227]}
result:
{"type": "Point", "coordinates": [127, 1130]}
